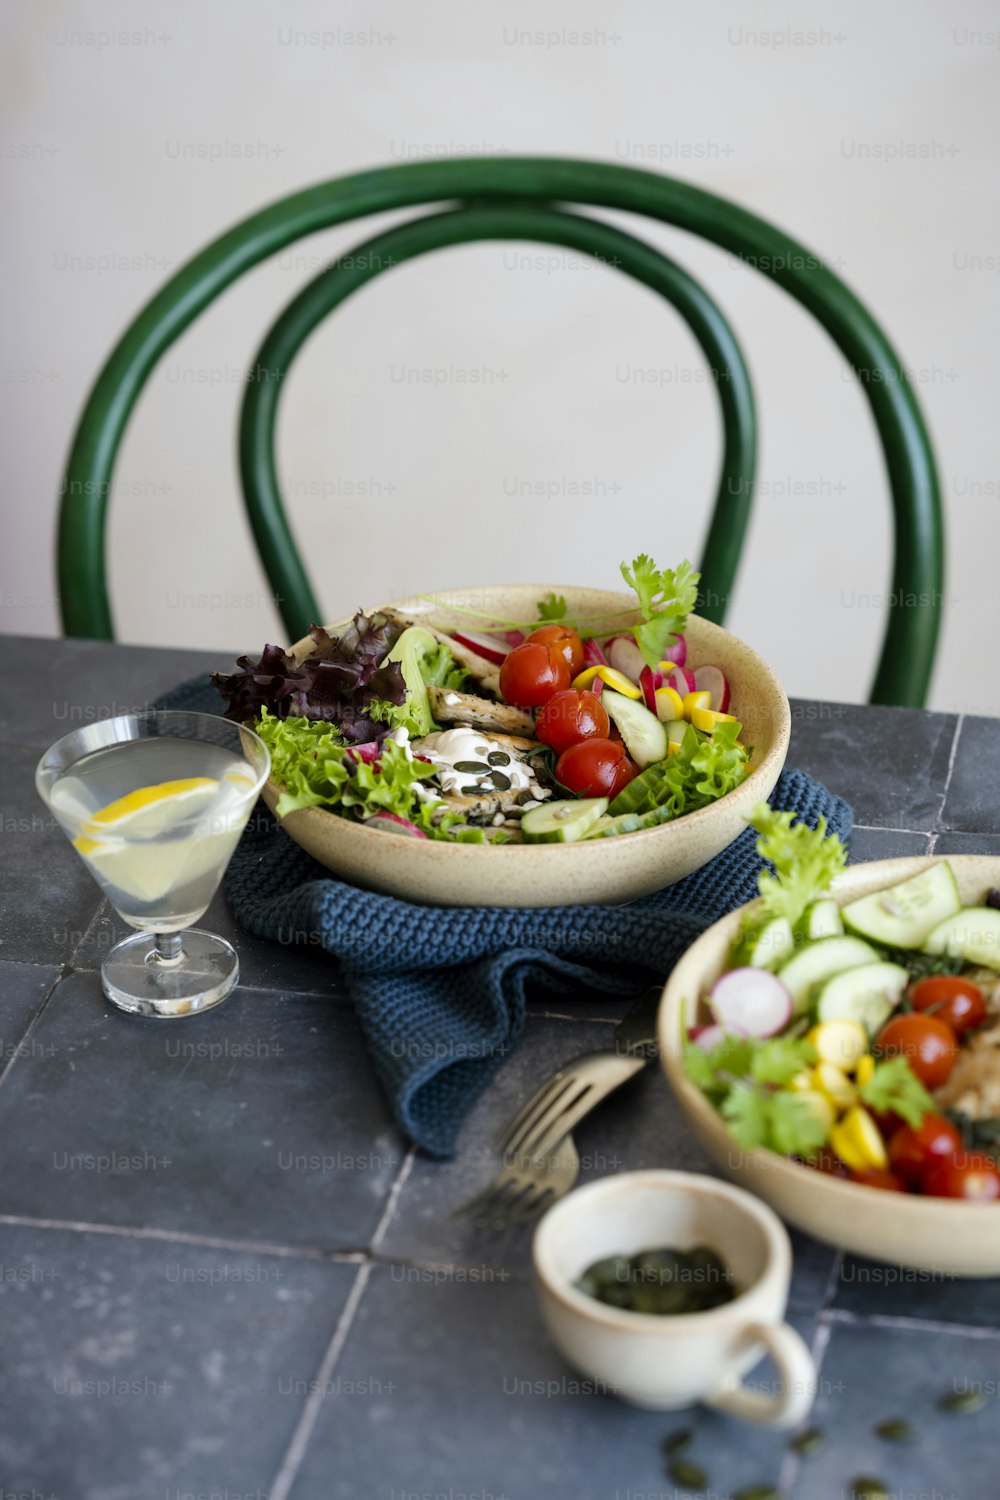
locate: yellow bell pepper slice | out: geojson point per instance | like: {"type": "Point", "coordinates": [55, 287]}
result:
{"type": "Point", "coordinates": [694, 701]}
{"type": "Point", "coordinates": [856, 1139]}
{"type": "Point", "coordinates": [842, 1043]}
{"type": "Point", "coordinates": [610, 678]}
{"type": "Point", "coordinates": [865, 1070]}
{"type": "Point", "coordinates": [707, 718]}
{"type": "Point", "coordinates": [669, 704]}
{"type": "Point", "coordinates": [836, 1085]}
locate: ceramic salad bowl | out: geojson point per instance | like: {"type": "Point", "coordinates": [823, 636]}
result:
{"type": "Point", "coordinates": [603, 870]}
{"type": "Point", "coordinates": [944, 1236]}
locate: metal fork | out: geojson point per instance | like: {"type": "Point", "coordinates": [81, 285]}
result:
{"type": "Point", "coordinates": [536, 1145]}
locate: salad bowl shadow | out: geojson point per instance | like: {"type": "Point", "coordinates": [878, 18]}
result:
{"type": "Point", "coordinates": [611, 870]}
{"type": "Point", "coordinates": [941, 1235]}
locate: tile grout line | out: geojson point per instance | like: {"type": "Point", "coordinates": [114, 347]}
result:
{"type": "Point", "coordinates": [390, 1203]}
{"type": "Point", "coordinates": [295, 1452]}
{"type": "Point", "coordinates": [102, 906]}
{"type": "Point", "coordinates": [952, 754]}
{"type": "Point", "coordinates": [32, 1024]}
{"type": "Point", "coordinates": [180, 1237]}
{"type": "Point", "coordinates": [850, 1319]}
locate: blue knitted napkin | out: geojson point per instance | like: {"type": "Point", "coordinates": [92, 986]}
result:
{"type": "Point", "coordinates": [440, 991]}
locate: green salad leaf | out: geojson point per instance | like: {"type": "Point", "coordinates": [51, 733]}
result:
{"type": "Point", "coordinates": [894, 1086]}
{"type": "Point", "coordinates": [425, 661]}
{"type": "Point", "coordinates": [316, 768]}
{"type": "Point", "coordinates": [552, 609]}
{"type": "Point", "coordinates": [805, 861]}
{"type": "Point", "coordinates": [746, 1079]}
{"type": "Point", "coordinates": [704, 769]}
{"type": "Point", "coordinates": [666, 598]}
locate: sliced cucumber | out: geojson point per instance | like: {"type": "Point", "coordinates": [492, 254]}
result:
{"type": "Point", "coordinates": [869, 994]}
{"type": "Point", "coordinates": [822, 920]}
{"type": "Point", "coordinates": [562, 822]}
{"type": "Point", "coordinates": [644, 792]}
{"type": "Point", "coordinates": [645, 737]}
{"type": "Point", "coordinates": [772, 945]}
{"type": "Point", "coordinates": [903, 915]}
{"type": "Point", "coordinates": [973, 934]}
{"type": "Point", "coordinates": [820, 961]}
{"type": "Point", "coordinates": [632, 822]}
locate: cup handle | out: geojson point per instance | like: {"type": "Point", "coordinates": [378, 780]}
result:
{"type": "Point", "coordinates": [797, 1381]}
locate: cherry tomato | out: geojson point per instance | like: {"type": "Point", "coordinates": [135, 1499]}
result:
{"type": "Point", "coordinates": [532, 673]}
{"type": "Point", "coordinates": [568, 642]}
{"type": "Point", "coordinates": [570, 717]}
{"type": "Point", "coordinates": [887, 1181]}
{"type": "Point", "coordinates": [595, 768]}
{"type": "Point", "coordinates": [957, 1002]}
{"type": "Point", "coordinates": [928, 1045]}
{"type": "Point", "coordinates": [915, 1148]}
{"type": "Point", "coordinates": [969, 1175]}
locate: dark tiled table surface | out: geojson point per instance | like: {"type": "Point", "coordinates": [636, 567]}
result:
{"type": "Point", "coordinates": [223, 1273]}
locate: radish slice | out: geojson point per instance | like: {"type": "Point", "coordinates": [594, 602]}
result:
{"type": "Point", "coordinates": [707, 1037]}
{"type": "Point", "coordinates": [751, 1002]}
{"type": "Point", "coordinates": [649, 681]}
{"type": "Point", "coordinates": [494, 648]}
{"type": "Point", "coordinates": [393, 823]}
{"type": "Point", "coordinates": [368, 752]}
{"type": "Point", "coordinates": [596, 687]}
{"type": "Point", "coordinates": [593, 656]}
{"type": "Point", "coordinates": [680, 679]}
{"type": "Point", "coordinates": [677, 653]}
{"type": "Point", "coordinates": [624, 655]}
{"type": "Point", "coordinates": [514, 638]}
{"type": "Point", "coordinates": [713, 680]}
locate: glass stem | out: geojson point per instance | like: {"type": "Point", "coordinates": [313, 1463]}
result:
{"type": "Point", "coordinates": [168, 948]}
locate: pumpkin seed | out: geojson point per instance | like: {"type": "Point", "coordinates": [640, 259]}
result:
{"type": "Point", "coordinates": [472, 790]}
{"type": "Point", "coordinates": [869, 1489]}
{"type": "Point", "coordinates": [689, 1476]}
{"type": "Point", "coordinates": [500, 781]}
{"type": "Point", "coordinates": [894, 1430]}
{"type": "Point", "coordinates": [758, 1492]}
{"type": "Point", "coordinates": [962, 1403]}
{"type": "Point", "coordinates": [498, 758]}
{"type": "Point", "coordinates": [472, 767]}
{"type": "Point", "coordinates": [808, 1442]}
{"type": "Point", "coordinates": [675, 1441]}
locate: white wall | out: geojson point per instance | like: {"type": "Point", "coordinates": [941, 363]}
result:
{"type": "Point", "coordinates": [98, 140]}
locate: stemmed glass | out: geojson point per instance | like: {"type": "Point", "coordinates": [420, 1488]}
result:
{"type": "Point", "coordinates": [154, 804]}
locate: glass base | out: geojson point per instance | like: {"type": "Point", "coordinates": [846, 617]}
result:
{"type": "Point", "coordinates": [141, 977]}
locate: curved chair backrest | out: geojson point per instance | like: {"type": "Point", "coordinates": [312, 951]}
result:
{"type": "Point", "coordinates": [516, 198]}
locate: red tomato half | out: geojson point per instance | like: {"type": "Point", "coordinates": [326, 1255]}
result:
{"type": "Point", "coordinates": [913, 1149]}
{"type": "Point", "coordinates": [968, 1175]}
{"type": "Point", "coordinates": [928, 1045]}
{"type": "Point", "coordinates": [570, 717]}
{"type": "Point", "coordinates": [595, 768]}
{"type": "Point", "coordinates": [532, 673]}
{"type": "Point", "coordinates": [957, 1002]}
{"type": "Point", "coordinates": [565, 640]}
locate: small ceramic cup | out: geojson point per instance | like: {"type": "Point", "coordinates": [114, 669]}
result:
{"type": "Point", "coordinates": [668, 1362]}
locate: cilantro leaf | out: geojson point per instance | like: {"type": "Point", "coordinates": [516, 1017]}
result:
{"type": "Point", "coordinates": [698, 1066]}
{"type": "Point", "coordinates": [552, 608]}
{"type": "Point", "coordinates": [666, 597]}
{"type": "Point", "coordinates": [795, 1129]}
{"type": "Point", "coordinates": [747, 1112]}
{"type": "Point", "coordinates": [781, 1058]}
{"type": "Point", "coordinates": [894, 1086]}
{"type": "Point", "coordinates": [805, 861]}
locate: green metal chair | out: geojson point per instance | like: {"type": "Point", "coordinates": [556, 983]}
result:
{"type": "Point", "coordinates": [515, 199]}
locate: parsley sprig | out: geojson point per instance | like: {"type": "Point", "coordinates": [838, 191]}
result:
{"type": "Point", "coordinates": [666, 598]}
{"type": "Point", "coordinates": [747, 1078]}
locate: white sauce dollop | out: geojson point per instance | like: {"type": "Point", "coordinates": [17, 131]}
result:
{"type": "Point", "coordinates": [447, 748]}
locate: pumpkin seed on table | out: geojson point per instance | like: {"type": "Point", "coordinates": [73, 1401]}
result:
{"type": "Point", "coordinates": [675, 1441]}
{"type": "Point", "coordinates": [869, 1489]}
{"type": "Point", "coordinates": [895, 1430]}
{"type": "Point", "coordinates": [689, 1476]}
{"type": "Point", "coordinates": [808, 1442]}
{"type": "Point", "coordinates": [962, 1403]}
{"type": "Point", "coordinates": [758, 1492]}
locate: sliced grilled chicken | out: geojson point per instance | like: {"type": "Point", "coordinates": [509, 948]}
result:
{"type": "Point", "coordinates": [449, 707]}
